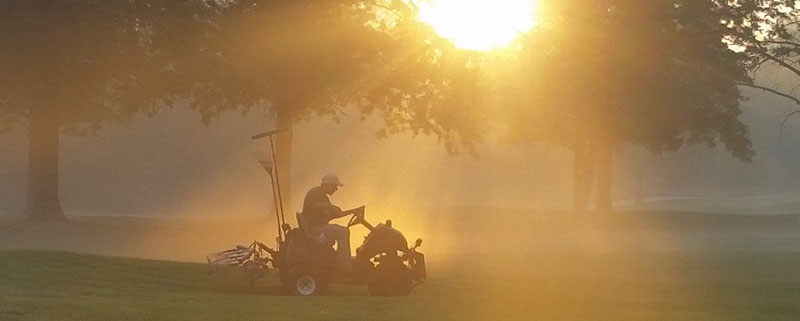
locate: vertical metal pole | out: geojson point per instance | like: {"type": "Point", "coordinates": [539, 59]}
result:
{"type": "Point", "coordinates": [277, 179]}
{"type": "Point", "coordinates": [275, 201]}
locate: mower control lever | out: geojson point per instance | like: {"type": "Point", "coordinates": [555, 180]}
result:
{"type": "Point", "coordinates": [358, 218]}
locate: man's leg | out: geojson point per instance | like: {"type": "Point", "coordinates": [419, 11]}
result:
{"type": "Point", "coordinates": [342, 236]}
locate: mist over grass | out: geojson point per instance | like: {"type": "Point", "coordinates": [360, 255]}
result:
{"type": "Point", "coordinates": [483, 264]}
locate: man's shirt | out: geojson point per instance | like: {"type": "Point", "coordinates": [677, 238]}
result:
{"type": "Point", "coordinates": [315, 207]}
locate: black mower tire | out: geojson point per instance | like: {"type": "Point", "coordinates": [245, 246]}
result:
{"type": "Point", "coordinates": [305, 281]}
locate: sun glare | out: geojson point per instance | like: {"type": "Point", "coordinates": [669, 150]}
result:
{"type": "Point", "coordinates": [480, 25]}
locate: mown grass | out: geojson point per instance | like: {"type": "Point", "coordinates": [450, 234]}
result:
{"type": "Point", "coordinates": [38, 285]}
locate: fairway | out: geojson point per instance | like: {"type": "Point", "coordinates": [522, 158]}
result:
{"type": "Point", "coordinates": [516, 278]}
{"type": "Point", "coordinates": [408, 160]}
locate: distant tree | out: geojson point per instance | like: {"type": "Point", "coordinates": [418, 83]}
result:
{"type": "Point", "coordinates": [650, 73]}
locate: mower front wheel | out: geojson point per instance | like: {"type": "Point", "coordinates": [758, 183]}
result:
{"type": "Point", "coordinates": [305, 281]}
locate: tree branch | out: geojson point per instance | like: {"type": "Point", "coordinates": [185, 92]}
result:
{"type": "Point", "coordinates": [778, 93]}
{"type": "Point", "coordinates": [759, 64]}
{"type": "Point", "coordinates": [773, 91]}
{"type": "Point", "coordinates": [775, 42]}
{"type": "Point", "coordinates": [783, 122]}
{"type": "Point", "coordinates": [779, 61]}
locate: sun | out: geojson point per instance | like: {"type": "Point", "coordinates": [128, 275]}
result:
{"type": "Point", "coordinates": [480, 25]}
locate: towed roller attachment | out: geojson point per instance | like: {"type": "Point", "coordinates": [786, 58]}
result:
{"type": "Point", "coordinates": [234, 256]}
{"type": "Point", "coordinates": [257, 253]}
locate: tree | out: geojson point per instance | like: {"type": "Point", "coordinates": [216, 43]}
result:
{"type": "Point", "coordinates": [651, 73]}
{"type": "Point", "coordinates": [65, 64]}
{"type": "Point", "coordinates": [74, 64]}
{"type": "Point", "coordinates": [319, 57]}
{"type": "Point", "coordinates": [765, 33]}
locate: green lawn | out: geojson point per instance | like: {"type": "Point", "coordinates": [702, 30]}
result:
{"type": "Point", "coordinates": [38, 285]}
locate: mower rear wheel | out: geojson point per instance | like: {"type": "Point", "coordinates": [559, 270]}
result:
{"type": "Point", "coordinates": [305, 281]}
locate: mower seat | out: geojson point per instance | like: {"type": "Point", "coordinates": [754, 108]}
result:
{"type": "Point", "coordinates": [315, 236]}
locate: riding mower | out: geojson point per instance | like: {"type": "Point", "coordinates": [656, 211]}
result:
{"type": "Point", "coordinates": [307, 263]}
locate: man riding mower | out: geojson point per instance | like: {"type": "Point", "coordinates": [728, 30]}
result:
{"type": "Point", "coordinates": [384, 261]}
{"type": "Point", "coordinates": [305, 258]}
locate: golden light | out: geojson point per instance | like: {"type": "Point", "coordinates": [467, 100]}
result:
{"type": "Point", "coordinates": [480, 25]}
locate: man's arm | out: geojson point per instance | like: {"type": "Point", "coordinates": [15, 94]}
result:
{"type": "Point", "coordinates": [335, 212]}
{"type": "Point", "coordinates": [339, 213]}
{"type": "Point", "coordinates": [330, 210]}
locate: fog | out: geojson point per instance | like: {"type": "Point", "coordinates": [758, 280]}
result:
{"type": "Point", "coordinates": [202, 191]}
{"type": "Point", "coordinates": [173, 165]}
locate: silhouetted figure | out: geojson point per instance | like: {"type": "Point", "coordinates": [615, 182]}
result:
{"type": "Point", "coordinates": [318, 211]}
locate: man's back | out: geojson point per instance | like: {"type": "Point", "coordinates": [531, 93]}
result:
{"type": "Point", "coordinates": [315, 207]}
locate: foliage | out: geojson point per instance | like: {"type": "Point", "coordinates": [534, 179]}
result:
{"type": "Point", "coordinates": [87, 59]}
{"type": "Point", "coordinates": [652, 73]}
{"type": "Point", "coordinates": [761, 26]}
{"type": "Point", "coordinates": [107, 61]}
{"type": "Point", "coordinates": [319, 57]}
{"type": "Point", "coordinates": [766, 33]}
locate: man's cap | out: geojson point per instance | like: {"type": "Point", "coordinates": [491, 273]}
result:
{"type": "Point", "coordinates": [331, 178]}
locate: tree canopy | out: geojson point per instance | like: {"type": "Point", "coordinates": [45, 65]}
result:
{"type": "Point", "coordinates": [76, 64]}
{"type": "Point", "coordinates": [320, 57]}
{"type": "Point", "coordinates": [594, 76]}
{"type": "Point", "coordinates": [766, 33]}
{"type": "Point", "coordinates": [650, 73]}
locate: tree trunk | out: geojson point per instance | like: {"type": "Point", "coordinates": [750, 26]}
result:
{"type": "Point", "coordinates": [583, 176]}
{"type": "Point", "coordinates": [283, 159]}
{"type": "Point", "coordinates": [605, 176]}
{"type": "Point", "coordinates": [42, 199]}
{"type": "Point", "coordinates": [638, 181]}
